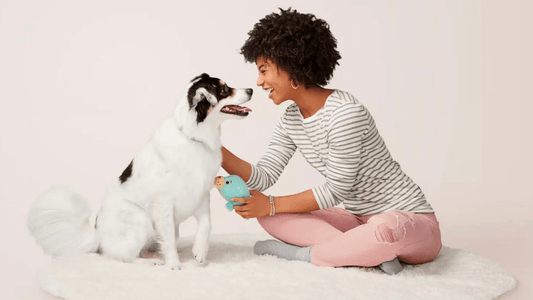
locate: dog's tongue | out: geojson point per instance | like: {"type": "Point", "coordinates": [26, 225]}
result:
{"type": "Point", "coordinates": [238, 108]}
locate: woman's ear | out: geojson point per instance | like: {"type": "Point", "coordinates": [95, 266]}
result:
{"type": "Point", "coordinates": [294, 84]}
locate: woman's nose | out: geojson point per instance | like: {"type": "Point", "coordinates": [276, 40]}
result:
{"type": "Point", "coordinates": [259, 81]}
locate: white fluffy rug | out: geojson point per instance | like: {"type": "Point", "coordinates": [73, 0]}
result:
{"type": "Point", "coordinates": [234, 272]}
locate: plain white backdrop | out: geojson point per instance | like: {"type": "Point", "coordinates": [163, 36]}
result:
{"type": "Point", "coordinates": [84, 83]}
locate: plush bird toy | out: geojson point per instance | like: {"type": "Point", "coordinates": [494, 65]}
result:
{"type": "Point", "coordinates": [232, 186]}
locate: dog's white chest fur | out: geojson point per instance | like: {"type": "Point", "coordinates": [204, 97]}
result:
{"type": "Point", "coordinates": [172, 167]}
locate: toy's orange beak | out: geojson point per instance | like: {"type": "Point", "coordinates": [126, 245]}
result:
{"type": "Point", "coordinates": [219, 182]}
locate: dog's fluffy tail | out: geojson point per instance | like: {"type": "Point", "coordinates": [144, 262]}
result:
{"type": "Point", "coordinates": [59, 221]}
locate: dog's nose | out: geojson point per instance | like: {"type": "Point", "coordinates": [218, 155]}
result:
{"type": "Point", "coordinates": [249, 92]}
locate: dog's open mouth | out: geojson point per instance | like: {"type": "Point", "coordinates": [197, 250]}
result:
{"type": "Point", "coordinates": [236, 110]}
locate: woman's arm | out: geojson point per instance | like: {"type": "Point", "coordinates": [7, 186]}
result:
{"type": "Point", "coordinates": [348, 124]}
{"type": "Point", "coordinates": [234, 165]}
{"type": "Point", "coordinates": [267, 171]}
{"type": "Point", "coordinates": [258, 204]}
{"type": "Point", "coordinates": [299, 203]}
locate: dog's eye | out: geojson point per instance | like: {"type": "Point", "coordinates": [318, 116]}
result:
{"type": "Point", "coordinates": [223, 92]}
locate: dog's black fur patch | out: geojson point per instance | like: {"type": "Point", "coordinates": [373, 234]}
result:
{"type": "Point", "coordinates": [212, 85]}
{"type": "Point", "coordinates": [127, 173]}
{"type": "Point", "coordinates": [201, 110]}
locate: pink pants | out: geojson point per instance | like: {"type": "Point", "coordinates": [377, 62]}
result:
{"type": "Point", "coordinates": [341, 238]}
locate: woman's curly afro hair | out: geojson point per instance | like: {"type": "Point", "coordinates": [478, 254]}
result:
{"type": "Point", "coordinates": [298, 43]}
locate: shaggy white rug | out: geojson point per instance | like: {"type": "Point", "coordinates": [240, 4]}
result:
{"type": "Point", "coordinates": [234, 272]}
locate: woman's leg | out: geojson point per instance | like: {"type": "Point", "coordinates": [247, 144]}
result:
{"type": "Point", "coordinates": [311, 228]}
{"type": "Point", "coordinates": [413, 238]}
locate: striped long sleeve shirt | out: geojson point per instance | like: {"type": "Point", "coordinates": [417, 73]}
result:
{"type": "Point", "coordinates": [342, 142]}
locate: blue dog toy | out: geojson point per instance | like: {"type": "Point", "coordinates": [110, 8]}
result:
{"type": "Point", "coordinates": [232, 186]}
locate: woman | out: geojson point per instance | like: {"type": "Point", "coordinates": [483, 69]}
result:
{"type": "Point", "coordinates": [386, 219]}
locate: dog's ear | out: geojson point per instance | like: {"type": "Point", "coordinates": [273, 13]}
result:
{"type": "Point", "coordinates": [202, 110]}
{"type": "Point", "coordinates": [203, 94]}
{"type": "Point", "coordinates": [202, 76]}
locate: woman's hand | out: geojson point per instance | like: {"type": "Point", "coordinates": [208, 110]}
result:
{"type": "Point", "coordinates": [255, 206]}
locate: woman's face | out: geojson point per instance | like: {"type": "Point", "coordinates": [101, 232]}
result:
{"type": "Point", "coordinates": [275, 80]}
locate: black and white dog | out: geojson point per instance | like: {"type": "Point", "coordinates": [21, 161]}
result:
{"type": "Point", "coordinates": [168, 181]}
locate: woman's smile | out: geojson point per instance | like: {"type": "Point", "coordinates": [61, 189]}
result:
{"type": "Point", "coordinates": [274, 81]}
{"type": "Point", "coordinates": [269, 91]}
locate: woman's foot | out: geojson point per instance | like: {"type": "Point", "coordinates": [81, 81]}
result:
{"type": "Point", "coordinates": [282, 250]}
{"type": "Point", "coordinates": [391, 267]}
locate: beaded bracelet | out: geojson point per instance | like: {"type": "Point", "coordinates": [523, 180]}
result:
{"type": "Point", "coordinates": [272, 207]}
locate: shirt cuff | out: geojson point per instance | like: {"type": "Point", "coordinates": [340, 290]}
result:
{"type": "Point", "coordinates": [324, 197]}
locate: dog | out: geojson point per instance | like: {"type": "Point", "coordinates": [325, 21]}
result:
{"type": "Point", "coordinates": [168, 181]}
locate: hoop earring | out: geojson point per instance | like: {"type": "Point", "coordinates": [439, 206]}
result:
{"type": "Point", "coordinates": [296, 86]}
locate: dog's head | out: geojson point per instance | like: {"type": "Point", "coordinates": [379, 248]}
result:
{"type": "Point", "coordinates": [210, 97]}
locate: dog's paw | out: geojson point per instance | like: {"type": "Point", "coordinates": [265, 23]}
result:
{"type": "Point", "coordinates": [173, 263]}
{"type": "Point", "coordinates": [156, 262]}
{"type": "Point", "coordinates": [173, 267]}
{"type": "Point", "coordinates": [200, 252]}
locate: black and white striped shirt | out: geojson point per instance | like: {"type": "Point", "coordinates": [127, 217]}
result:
{"type": "Point", "coordinates": [342, 142]}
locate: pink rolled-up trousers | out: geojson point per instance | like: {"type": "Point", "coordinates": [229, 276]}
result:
{"type": "Point", "coordinates": [340, 238]}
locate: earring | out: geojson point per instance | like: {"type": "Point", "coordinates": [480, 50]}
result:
{"type": "Point", "coordinates": [294, 86]}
